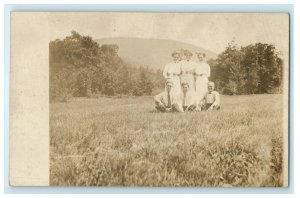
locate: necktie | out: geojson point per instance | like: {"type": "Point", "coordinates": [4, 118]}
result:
{"type": "Point", "coordinates": [183, 100]}
{"type": "Point", "coordinates": [169, 100]}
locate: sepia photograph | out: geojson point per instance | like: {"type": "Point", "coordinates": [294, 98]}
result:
{"type": "Point", "coordinates": [168, 99]}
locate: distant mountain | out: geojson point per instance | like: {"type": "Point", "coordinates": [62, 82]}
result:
{"type": "Point", "coordinates": [155, 53]}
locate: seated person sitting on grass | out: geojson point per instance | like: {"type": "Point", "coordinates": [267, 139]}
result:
{"type": "Point", "coordinates": [186, 100]}
{"type": "Point", "coordinates": [211, 100]}
{"type": "Point", "coordinates": [166, 101]}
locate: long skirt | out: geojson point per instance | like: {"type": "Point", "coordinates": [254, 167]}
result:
{"type": "Point", "coordinates": [176, 85]}
{"type": "Point", "coordinates": [189, 78]}
{"type": "Point", "coordinates": [201, 87]}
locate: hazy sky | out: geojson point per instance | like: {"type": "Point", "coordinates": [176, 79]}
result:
{"type": "Point", "coordinates": [207, 30]}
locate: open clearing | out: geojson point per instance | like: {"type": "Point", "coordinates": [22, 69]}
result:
{"type": "Point", "coordinates": [124, 142]}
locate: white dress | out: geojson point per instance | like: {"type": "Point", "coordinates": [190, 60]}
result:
{"type": "Point", "coordinates": [172, 71]}
{"type": "Point", "coordinates": [187, 73]}
{"type": "Point", "coordinates": [202, 72]}
{"type": "Point", "coordinates": [188, 100]}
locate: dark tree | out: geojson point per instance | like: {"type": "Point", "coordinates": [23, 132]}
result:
{"type": "Point", "coordinates": [80, 67]}
{"type": "Point", "coordinates": [253, 69]}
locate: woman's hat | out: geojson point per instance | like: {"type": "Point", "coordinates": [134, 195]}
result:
{"type": "Point", "coordinates": [175, 53]}
{"type": "Point", "coordinates": [201, 53]}
{"type": "Point", "coordinates": [187, 53]}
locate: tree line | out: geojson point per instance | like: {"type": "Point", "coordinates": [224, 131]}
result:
{"type": "Point", "coordinates": [254, 69]}
{"type": "Point", "coordinates": [79, 67]}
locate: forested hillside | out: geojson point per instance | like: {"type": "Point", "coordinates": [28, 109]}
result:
{"type": "Point", "coordinates": [80, 67]}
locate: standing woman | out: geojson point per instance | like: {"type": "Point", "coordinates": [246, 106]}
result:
{"type": "Point", "coordinates": [202, 73]}
{"type": "Point", "coordinates": [187, 70]}
{"type": "Point", "coordinates": [172, 71]}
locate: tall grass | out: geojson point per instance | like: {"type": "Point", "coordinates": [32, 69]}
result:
{"type": "Point", "coordinates": [123, 142]}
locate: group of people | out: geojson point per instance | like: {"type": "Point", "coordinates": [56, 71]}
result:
{"type": "Point", "coordinates": [187, 87]}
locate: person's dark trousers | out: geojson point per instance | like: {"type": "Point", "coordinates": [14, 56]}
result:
{"type": "Point", "coordinates": [161, 108]}
{"type": "Point", "coordinates": [208, 105]}
{"type": "Point", "coordinates": [190, 108]}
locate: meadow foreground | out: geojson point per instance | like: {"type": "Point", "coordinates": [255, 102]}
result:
{"type": "Point", "coordinates": [124, 142]}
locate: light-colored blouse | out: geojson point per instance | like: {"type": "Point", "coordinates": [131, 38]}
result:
{"type": "Point", "coordinates": [202, 69]}
{"type": "Point", "coordinates": [188, 67]}
{"type": "Point", "coordinates": [172, 69]}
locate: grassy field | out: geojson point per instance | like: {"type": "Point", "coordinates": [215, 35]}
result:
{"type": "Point", "coordinates": [117, 142]}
